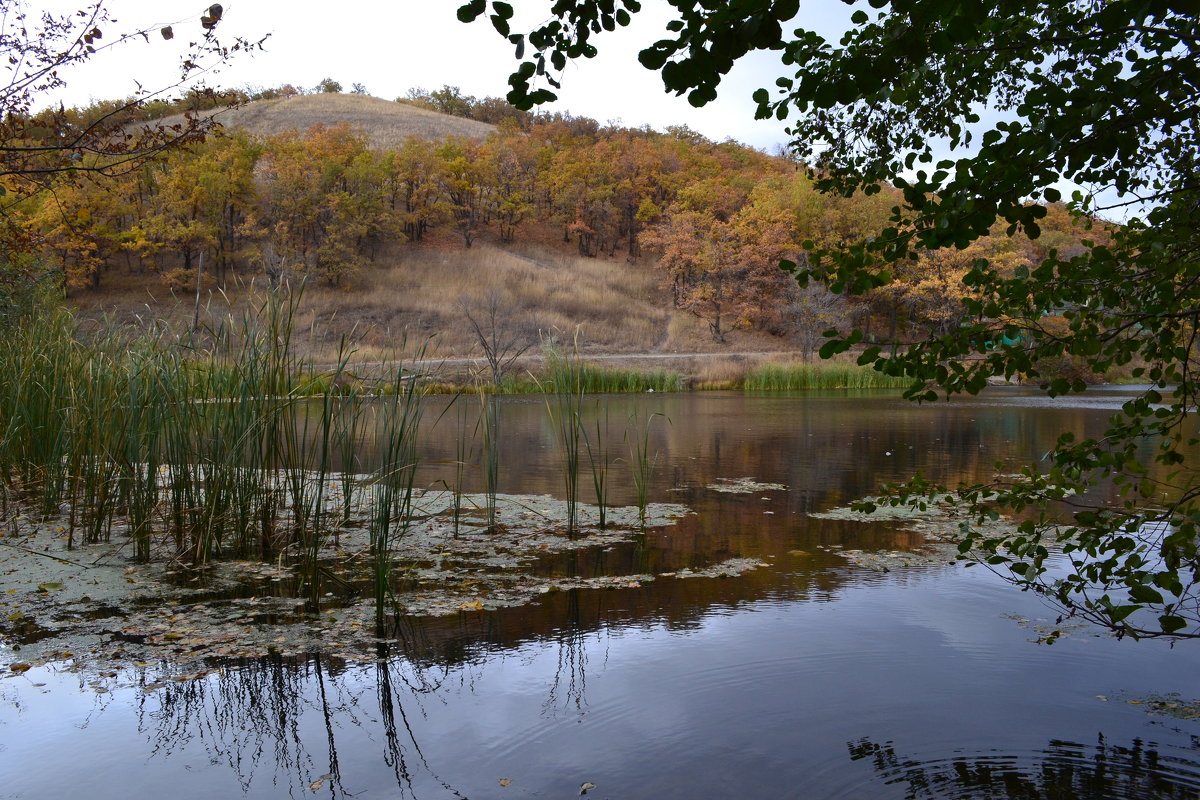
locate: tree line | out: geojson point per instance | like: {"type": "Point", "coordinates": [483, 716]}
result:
{"type": "Point", "coordinates": [714, 219]}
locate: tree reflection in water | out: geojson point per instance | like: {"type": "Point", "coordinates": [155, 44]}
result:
{"type": "Point", "coordinates": [1063, 771]}
{"type": "Point", "coordinates": [259, 716]}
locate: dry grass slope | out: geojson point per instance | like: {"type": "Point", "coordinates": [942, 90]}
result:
{"type": "Point", "coordinates": [613, 306]}
{"type": "Point", "coordinates": [387, 124]}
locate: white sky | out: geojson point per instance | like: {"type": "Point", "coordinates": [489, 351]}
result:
{"type": "Point", "coordinates": [391, 47]}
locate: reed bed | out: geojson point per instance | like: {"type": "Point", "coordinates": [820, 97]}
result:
{"type": "Point", "coordinates": [590, 378]}
{"type": "Point", "coordinates": [793, 377]}
{"type": "Point", "coordinates": [204, 446]}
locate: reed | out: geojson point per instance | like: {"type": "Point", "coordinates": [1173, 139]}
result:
{"type": "Point", "coordinates": [565, 405]}
{"type": "Point", "coordinates": [594, 379]}
{"type": "Point", "coordinates": [641, 462]}
{"type": "Point", "coordinates": [598, 458]}
{"type": "Point", "coordinates": [212, 444]}
{"type": "Point", "coordinates": [793, 377]}
{"type": "Point", "coordinates": [489, 427]}
{"type": "Point", "coordinates": [393, 482]}
{"type": "Point", "coordinates": [462, 454]}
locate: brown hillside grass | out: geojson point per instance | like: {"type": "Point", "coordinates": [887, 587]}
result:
{"type": "Point", "coordinates": [386, 124]}
{"type": "Point", "coordinates": [610, 305]}
{"type": "Point", "coordinates": [412, 297]}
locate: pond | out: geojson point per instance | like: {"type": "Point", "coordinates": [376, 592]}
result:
{"type": "Point", "coordinates": [806, 677]}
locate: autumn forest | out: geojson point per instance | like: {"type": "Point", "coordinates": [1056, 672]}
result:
{"type": "Point", "coordinates": [709, 221]}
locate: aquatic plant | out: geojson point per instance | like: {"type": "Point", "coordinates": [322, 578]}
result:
{"type": "Point", "coordinates": [637, 437]}
{"type": "Point", "coordinates": [793, 377]}
{"type": "Point", "coordinates": [597, 451]}
{"type": "Point", "coordinates": [489, 425]}
{"type": "Point", "coordinates": [565, 378]}
{"type": "Point", "coordinates": [394, 481]}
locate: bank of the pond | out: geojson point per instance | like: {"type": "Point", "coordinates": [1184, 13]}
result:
{"type": "Point", "coordinates": [687, 374]}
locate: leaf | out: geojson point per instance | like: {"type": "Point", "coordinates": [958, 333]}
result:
{"type": "Point", "coordinates": [469, 11]}
{"type": "Point", "coordinates": [505, 781]}
{"type": "Point", "coordinates": [1144, 594]}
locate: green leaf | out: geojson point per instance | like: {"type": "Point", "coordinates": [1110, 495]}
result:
{"type": "Point", "coordinates": [1120, 613]}
{"type": "Point", "coordinates": [1144, 594]}
{"type": "Point", "coordinates": [469, 12]}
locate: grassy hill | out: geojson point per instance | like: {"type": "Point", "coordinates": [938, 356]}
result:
{"type": "Point", "coordinates": [386, 123]}
{"type": "Point", "coordinates": [423, 293]}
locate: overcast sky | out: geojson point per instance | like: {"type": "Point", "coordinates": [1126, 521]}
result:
{"type": "Point", "coordinates": [392, 47]}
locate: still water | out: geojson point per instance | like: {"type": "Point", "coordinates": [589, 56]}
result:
{"type": "Point", "coordinates": [808, 679]}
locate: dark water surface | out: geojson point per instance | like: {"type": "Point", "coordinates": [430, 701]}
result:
{"type": "Point", "coordinates": [806, 679]}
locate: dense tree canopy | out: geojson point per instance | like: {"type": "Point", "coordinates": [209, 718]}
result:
{"type": "Point", "coordinates": [1099, 94]}
{"type": "Point", "coordinates": [47, 150]}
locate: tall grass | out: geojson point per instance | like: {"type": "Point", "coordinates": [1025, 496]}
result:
{"type": "Point", "coordinates": [394, 481]}
{"type": "Point", "coordinates": [212, 446]}
{"type": "Point", "coordinates": [565, 380]}
{"type": "Point", "coordinates": [641, 462]}
{"type": "Point", "coordinates": [598, 458]}
{"type": "Point", "coordinates": [489, 426]}
{"type": "Point", "coordinates": [791, 377]}
{"type": "Point", "coordinates": [593, 379]}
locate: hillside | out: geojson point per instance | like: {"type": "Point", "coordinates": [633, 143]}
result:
{"type": "Point", "coordinates": [415, 297]}
{"type": "Point", "coordinates": [638, 242]}
{"type": "Point", "coordinates": [386, 123]}
{"type": "Point", "coordinates": [422, 291]}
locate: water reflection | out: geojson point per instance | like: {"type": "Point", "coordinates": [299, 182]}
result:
{"type": "Point", "coordinates": [280, 721]}
{"type": "Point", "coordinates": [1063, 770]}
{"type": "Point", "coordinates": [740, 687]}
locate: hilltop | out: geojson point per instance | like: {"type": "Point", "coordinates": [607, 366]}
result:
{"type": "Point", "coordinates": [385, 123]}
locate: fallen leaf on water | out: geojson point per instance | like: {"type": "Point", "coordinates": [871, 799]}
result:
{"type": "Point", "coordinates": [505, 781]}
{"type": "Point", "coordinates": [586, 785]}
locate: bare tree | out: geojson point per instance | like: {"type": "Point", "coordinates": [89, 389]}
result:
{"type": "Point", "coordinates": [813, 310]}
{"type": "Point", "coordinates": [502, 339]}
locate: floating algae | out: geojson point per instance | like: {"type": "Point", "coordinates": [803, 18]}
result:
{"type": "Point", "coordinates": [743, 486]}
{"type": "Point", "coordinates": [93, 605]}
{"type": "Point", "coordinates": [939, 521]}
